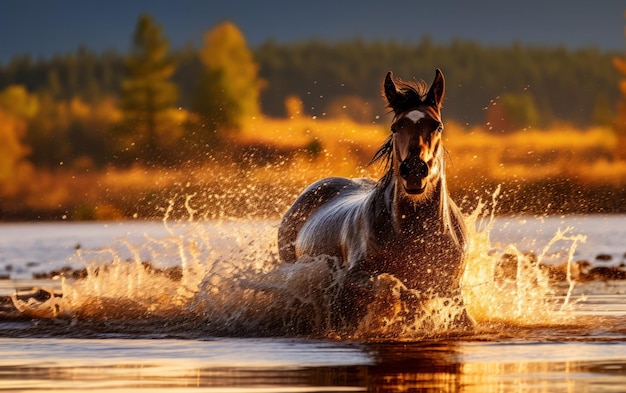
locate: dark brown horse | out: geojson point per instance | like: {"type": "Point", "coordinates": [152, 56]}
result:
{"type": "Point", "coordinates": [405, 224]}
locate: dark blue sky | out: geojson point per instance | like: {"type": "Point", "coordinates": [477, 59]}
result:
{"type": "Point", "coordinates": [45, 27]}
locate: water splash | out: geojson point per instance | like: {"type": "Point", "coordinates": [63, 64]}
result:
{"type": "Point", "coordinates": [505, 285]}
{"type": "Point", "coordinates": [225, 278]}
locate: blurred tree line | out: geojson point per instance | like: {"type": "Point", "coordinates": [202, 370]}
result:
{"type": "Point", "coordinates": [158, 106]}
{"type": "Point", "coordinates": [532, 85]}
{"type": "Point", "coordinates": [150, 106]}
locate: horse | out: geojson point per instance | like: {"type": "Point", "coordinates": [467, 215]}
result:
{"type": "Point", "coordinates": [404, 224]}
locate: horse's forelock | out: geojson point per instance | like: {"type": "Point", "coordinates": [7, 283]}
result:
{"type": "Point", "coordinates": [409, 95]}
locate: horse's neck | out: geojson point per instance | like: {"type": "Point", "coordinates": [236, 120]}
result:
{"type": "Point", "coordinates": [427, 214]}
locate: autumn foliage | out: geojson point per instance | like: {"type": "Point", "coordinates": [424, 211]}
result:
{"type": "Point", "coordinates": [136, 151]}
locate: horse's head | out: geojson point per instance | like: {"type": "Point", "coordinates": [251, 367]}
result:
{"type": "Point", "coordinates": [417, 128]}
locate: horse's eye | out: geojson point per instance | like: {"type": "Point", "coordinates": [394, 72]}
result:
{"type": "Point", "coordinates": [440, 129]}
{"type": "Point", "coordinates": [394, 128]}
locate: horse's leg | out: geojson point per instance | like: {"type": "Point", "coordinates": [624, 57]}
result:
{"type": "Point", "coordinates": [353, 299]}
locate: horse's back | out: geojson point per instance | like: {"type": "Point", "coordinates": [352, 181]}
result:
{"type": "Point", "coordinates": [315, 197]}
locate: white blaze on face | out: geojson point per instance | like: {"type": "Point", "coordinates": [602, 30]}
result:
{"type": "Point", "coordinates": [415, 116]}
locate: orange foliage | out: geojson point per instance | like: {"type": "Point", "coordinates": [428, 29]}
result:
{"type": "Point", "coordinates": [270, 161]}
{"type": "Point", "coordinates": [12, 151]}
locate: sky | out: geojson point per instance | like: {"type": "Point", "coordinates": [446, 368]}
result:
{"type": "Point", "coordinates": [43, 28]}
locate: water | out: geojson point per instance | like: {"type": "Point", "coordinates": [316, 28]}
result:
{"type": "Point", "coordinates": [206, 307]}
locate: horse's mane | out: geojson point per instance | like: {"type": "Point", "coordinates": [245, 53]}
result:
{"type": "Point", "coordinates": [383, 155]}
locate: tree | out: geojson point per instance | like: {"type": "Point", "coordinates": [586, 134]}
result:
{"type": "Point", "coordinates": [513, 112]}
{"type": "Point", "coordinates": [228, 89]}
{"type": "Point", "coordinates": [16, 107]}
{"type": "Point", "coordinates": [620, 119]}
{"type": "Point", "coordinates": [148, 97]}
{"type": "Point", "coordinates": [16, 100]}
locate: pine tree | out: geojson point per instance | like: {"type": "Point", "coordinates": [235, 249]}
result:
{"type": "Point", "coordinates": [148, 96]}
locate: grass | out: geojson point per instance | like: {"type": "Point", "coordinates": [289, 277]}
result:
{"type": "Point", "coordinates": [557, 170]}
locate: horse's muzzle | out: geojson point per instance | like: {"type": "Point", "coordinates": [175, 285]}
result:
{"type": "Point", "coordinates": [414, 172]}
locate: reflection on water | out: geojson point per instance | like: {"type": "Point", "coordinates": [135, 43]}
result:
{"type": "Point", "coordinates": [566, 376]}
{"type": "Point", "coordinates": [255, 365]}
{"type": "Point", "coordinates": [232, 364]}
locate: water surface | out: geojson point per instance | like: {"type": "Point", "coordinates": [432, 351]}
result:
{"type": "Point", "coordinates": [224, 317]}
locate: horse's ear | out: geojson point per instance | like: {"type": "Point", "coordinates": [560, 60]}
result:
{"type": "Point", "coordinates": [390, 90]}
{"type": "Point", "coordinates": [434, 97]}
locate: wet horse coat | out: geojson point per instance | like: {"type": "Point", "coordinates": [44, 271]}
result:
{"type": "Point", "coordinates": [404, 224]}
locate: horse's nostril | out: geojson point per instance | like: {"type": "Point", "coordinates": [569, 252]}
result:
{"type": "Point", "coordinates": [422, 169]}
{"type": "Point", "coordinates": [404, 169]}
{"type": "Point", "coordinates": [413, 166]}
